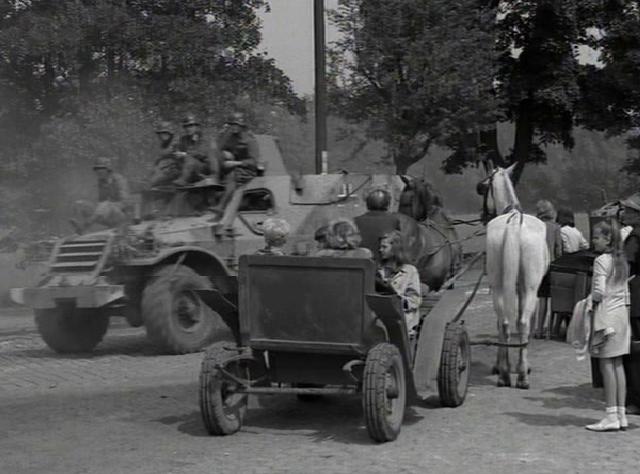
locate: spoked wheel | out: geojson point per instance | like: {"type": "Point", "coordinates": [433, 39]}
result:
{"type": "Point", "coordinates": [221, 406]}
{"type": "Point", "coordinates": [384, 392]}
{"type": "Point", "coordinates": [455, 365]}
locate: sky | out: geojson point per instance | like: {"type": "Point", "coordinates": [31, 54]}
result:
{"type": "Point", "coordinates": [287, 36]}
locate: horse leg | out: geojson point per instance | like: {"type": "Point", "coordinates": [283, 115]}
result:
{"type": "Point", "coordinates": [502, 367]}
{"type": "Point", "coordinates": [530, 300]}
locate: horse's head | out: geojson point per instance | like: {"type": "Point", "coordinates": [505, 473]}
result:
{"type": "Point", "coordinates": [418, 198]}
{"type": "Point", "coordinates": [499, 187]}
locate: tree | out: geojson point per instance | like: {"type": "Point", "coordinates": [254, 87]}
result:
{"type": "Point", "coordinates": [610, 89]}
{"type": "Point", "coordinates": [538, 74]}
{"type": "Point", "coordinates": [64, 63]}
{"type": "Point", "coordinates": [417, 72]}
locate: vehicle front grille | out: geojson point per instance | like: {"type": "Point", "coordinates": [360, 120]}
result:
{"type": "Point", "coordinates": [79, 256]}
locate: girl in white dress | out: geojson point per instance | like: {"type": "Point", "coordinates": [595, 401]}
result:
{"type": "Point", "coordinates": [610, 329]}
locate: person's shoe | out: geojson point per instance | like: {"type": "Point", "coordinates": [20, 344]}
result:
{"type": "Point", "coordinates": [622, 418]}
{"type": "Point", "coordinates": [608, 423]}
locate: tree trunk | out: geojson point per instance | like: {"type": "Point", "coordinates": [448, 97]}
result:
{"type": "Point", "coordinates": [523, 140]}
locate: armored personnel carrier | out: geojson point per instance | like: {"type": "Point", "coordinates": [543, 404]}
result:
{"type": "Point", "coordinates": [150, 272]}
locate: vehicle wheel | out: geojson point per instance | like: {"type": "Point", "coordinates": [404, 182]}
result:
{"type": "Point", "coordinates": [384, 392]}
{"type": "Point", "coordinates": [175, 317]}
{"type": "Point", "coordinates": [455, 364]}
{"type": "Point", "coordinates": [71, 330]}
{"type": "Point", "coordinates": [221, 408]}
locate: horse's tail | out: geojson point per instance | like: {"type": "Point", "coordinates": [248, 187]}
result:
{"type": "Point", "coordinates": [511, 264]}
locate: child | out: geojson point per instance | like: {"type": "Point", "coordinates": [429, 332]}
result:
{"type": "Point", "coordinates": [276, 232]}
{"type": "Point", "coordinates": [610, 331]}
{"type": "Point", "coordinates": [343, 240]}
{"type": "Point", "coordinates": [403, 278]}
{"type": "Point", "coordinates": [572, 238]}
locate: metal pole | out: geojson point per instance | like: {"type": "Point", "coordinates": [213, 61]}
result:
{"type": "Point", "coordinates": [321, 154]}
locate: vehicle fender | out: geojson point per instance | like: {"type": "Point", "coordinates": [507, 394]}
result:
{"type": "Point", "coordinates": [204, 262]}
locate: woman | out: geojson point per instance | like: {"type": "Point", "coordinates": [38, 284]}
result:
{"type": "Point", "coordinates": [343, 240]}
{"type": "Point", "coordinates": [395, 273]}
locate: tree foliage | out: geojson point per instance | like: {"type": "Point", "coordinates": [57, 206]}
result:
{"type": "Point", "coordinates": [82, 77]}
{"type": "Point", "coordinates": [417, 72]}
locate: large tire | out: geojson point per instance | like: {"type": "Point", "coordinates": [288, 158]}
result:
{"type": "Point", "coordinates": [175, 317]}
{"type": "Point", "coordinates": [222, 410]}
{"type": "Point", "coordinates": [384, 392]}
{"type": "Point", "coordinates": [455, 365]}
{"type": "Point", "coordinates": [71, 330]}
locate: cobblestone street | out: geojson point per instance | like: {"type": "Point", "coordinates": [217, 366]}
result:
{"type": "Point", "coordinates": [128, 409]}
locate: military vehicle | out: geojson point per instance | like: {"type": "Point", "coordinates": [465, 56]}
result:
{"type": "Point", "coordinates": [150, 271]}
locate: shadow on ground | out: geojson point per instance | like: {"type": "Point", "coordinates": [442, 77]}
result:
{"type": "Point", "coordinates": [332, 418]}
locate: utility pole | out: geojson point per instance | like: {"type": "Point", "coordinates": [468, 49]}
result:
{"type": "Point", "coordinates": [321, 153]}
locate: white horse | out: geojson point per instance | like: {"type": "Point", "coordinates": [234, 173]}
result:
{"type": "Point", "coordinates": [517, 260]}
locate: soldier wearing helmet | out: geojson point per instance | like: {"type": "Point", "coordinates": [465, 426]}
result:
{"type": "Point", "coordinates": [195, 150]}
{"type": "Point", "coordinates": [238, 155]}
{"type": "Point", "coordinates": [377, 221]}
{"type": "Point", "coordinates": [168, 165]}
{"type": "Point", "coordinates": [113, 199]}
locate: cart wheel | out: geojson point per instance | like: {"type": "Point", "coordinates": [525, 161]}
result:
{"type": "Point", "coordinates": [384, 392]}
{"type": "Point", "coordinates": [221, 408]}
{"type": "Point", "coordinates": [455, 364]}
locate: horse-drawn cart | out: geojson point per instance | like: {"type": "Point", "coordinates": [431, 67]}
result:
{"type": "Point", "coordinates": [316, 326]}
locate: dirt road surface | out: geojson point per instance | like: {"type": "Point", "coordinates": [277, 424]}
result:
{"type": "Point", "coordinates": [127, 409]}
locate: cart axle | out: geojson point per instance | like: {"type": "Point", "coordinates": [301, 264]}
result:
{"type": "Point", "coordinates": [298, 390]}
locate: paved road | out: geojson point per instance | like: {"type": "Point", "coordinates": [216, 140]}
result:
{"type": "Point", "coordinates": [127, 409]}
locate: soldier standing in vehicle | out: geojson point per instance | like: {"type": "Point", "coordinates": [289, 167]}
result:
{"type": "Point", "coordinates": [377, 221]}
{"type": "Point", "coordinates": [168, 165]}
{"type": "Point", "coordinates": [113, 199]}
{"type": "Point", "coordinates": [238, 154]}
{"type": "Point", "coordinates": [198, 163]}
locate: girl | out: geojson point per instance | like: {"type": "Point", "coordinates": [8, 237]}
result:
{"type": "Point", "coordinates": [610, 330]}
{"type": "Point", "coordinates": [403, 278]}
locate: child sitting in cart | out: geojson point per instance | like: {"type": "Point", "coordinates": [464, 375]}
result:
{"type": "Point", "coordinates": [276, 232]}
{"type": "Point", "coordinates": [396, 274]}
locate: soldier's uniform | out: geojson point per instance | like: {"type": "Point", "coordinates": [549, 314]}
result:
{"type": "Point", "coordinates": [377, 221]}
{"type": "Point", "coordinates": [168, 165]}
{"type": "Point", "coordinates": [240, 147]}
{"type": "Point", "coordinates": [197, 162]}
{"type": "Point", "coordinates": [236, 144]}
{"type": "Point", "coordinates": [114, 204]}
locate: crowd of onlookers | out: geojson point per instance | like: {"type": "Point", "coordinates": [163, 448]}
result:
{"type": "Point", "coordinates": [608, 319]}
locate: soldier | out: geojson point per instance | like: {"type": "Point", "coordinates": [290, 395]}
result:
{"type": "Point", "coordinates": [238, 152]}
{"type": "Point", "coordinates": [197, 163]}
{"type": "Point", "coordinates": [377, 221]}
{"type": "Point", "coordinates": [168, 165]}
{"type": "Point", "coordinates": [113, 199]}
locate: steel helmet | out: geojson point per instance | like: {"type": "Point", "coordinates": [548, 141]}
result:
{"type": "Point", "coordinates": [102, 163]}
{"type": "Point", "coordinates": [190, 119]}
{"type": "Point", "coordinates": [165, 126]}
{"type": "Point", "coordinates": [378, 200]}
{"type": "Point", "coordinates": [236, 118]}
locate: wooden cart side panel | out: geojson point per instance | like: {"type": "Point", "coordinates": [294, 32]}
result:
{"type": "Point", "coordinates": [298, 302]}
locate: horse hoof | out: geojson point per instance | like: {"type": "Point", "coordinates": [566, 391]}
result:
{"type": "Point", "coordinates": [522, 385]}
{"type": "Point", "coordinates": [494, 370]}
{"type": "Point", "coordinates": [504, 382]}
